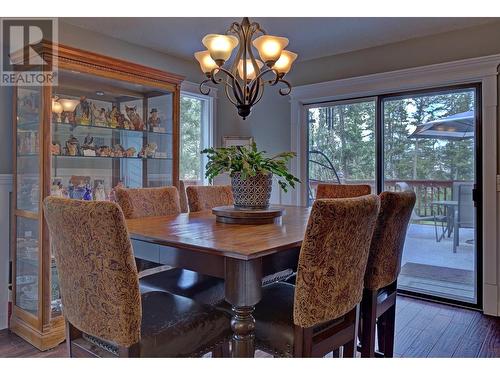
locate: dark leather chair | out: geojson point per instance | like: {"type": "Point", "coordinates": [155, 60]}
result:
{"type": "Point", "coordinates": [378, 307]}
{"type": "Point", "coordinates": [137, 203]}
{"type": "Point", "coordinates": [207, 197]}
{"type": "Point", "coordinates": [320, 313]}
{"type": "Point", "coordinates": [105, 313]}
{"type": "Point", "coordinates": [342, 191]}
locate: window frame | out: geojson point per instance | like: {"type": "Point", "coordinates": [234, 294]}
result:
{"type": "Point", "coordinates": [191, 90]}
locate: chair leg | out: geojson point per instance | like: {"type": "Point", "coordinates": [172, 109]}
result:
{"type": "Point", "coordinates": [350, 349]}
{"type": "Point", "coordinates": [381, 329]}
{"type": "Point", "coordinates": [221, 351]}
{"type": "Point", "coordinates": [369, 316]}
{"type": "Point", "coordinates": [436, 230]}
{"type": "Point", "coordinates": [72, 333]}
{"type": "Point", "coordinates": [303, 342]}
{"type": "Point", "coordinates": [390, 320]}
{"type": "Point", "coordinates": [132, 351]}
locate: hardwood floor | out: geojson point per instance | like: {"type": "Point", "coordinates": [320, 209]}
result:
{"type": "Point", "coordinates": [423, 329]}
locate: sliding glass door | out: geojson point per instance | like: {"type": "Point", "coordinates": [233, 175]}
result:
{"type": "Point", "coordinates": [422, 141]}
{"type": "Point", "coordinates": [429, 147]}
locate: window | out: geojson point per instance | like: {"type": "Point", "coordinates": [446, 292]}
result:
{"type": "Point", "coordinates": [341, 144]}
{"type": "Point", "coordinates": [195, 135]}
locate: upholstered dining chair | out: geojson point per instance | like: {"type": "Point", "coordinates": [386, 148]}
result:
{"type": "Point", "coordinates": [206, 197]}
{"type": "Point", "coordinates": [378, 307]}
{"type": "Point", "coordinates": [147, 202]}
{"type": "Point", "coordinates": [182, 192]}
{"type": "Point", "coordinates": [105, 313]}
{"type": "Point", "coordinates": [341, 191]}
{"type": "Point", "coordinates": [183, 197]}
{"type": "Point", "coordinates": [320, 313]}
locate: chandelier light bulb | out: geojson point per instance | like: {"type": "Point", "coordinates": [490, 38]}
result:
{"type": "Point", "coordinates": [69, 105]}
{"type": "Point", "coordinates": [207, 64]}
{"type": "Point", "coordinates": [270, 47]}
{"type": "Point", "coordinates": [57, 107]}
{"type": "Point", "coordinates": [220, 46]}
{"type": "Point", "coordinates": [284, 63]}
{"type": "Point", "coordinates": [250, 69]}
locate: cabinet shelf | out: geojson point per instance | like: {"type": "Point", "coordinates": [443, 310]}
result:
{"type": "Point", "coordinates": [105, 157]}
{"type": "Point", "coordinates": [70, 126]}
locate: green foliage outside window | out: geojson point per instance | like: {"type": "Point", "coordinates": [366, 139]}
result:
{"type": "Point", "coordinates": [191, 138]}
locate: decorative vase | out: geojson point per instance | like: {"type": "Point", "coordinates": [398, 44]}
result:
{"type": "Point", "coordinates": [254, 192]}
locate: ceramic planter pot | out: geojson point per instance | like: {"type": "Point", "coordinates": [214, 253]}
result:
{"type": "Point", "coordinates": [254, 192]}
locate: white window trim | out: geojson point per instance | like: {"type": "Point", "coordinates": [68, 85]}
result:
{"type": "Point", "coordinates": [193, 90]}
{"type": "Point", "coordinates": [481, 69]}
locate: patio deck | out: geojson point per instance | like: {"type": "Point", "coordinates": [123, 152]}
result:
{"type": "Point", "coordinates": [430, 266]}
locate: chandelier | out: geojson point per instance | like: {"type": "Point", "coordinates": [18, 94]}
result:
{"type": "Point", "coordinates": [245, 78]}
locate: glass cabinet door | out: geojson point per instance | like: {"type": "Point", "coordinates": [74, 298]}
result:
{"type": "Point", "coordinates": [27, 264]}
{"type": "Point", "coordinates": [28, 149]}
{"type": "Point", "coordinates": [108, 133]}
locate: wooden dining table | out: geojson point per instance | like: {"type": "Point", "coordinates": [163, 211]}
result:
{"type": "Point", "coordinates": [240, 254]}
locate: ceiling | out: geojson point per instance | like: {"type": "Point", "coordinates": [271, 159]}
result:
{"type": "Point", "coordinates": [309, 37]}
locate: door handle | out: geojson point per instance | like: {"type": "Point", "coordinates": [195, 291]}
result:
{"type": "Point", "coordinates": [475, 195]}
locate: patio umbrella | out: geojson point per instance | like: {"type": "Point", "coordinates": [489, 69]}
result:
{"type": "Point", "coordinates": [457, 126]}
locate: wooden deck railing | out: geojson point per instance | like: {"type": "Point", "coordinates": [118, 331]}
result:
{"type": "Point", "coordinates": [427, 191]}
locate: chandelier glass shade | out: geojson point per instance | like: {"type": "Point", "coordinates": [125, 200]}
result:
{"type": "Point", "coordinates": [243, 75]}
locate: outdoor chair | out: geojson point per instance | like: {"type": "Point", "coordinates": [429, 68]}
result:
{"type": "Point", "coordinates": [436, 217]}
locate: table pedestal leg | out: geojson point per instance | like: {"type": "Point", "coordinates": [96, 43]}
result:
{"type": "Point", "coordinates": [243, 326]}
{"type": "Point", "coordinates": [243, 289]}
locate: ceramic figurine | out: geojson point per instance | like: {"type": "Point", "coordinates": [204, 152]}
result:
{"type": "Point", "coordinates": [99, 192]}
{"type": "Point", "coordinates": [104, 151]}
{"type": "Point", "coordinates": [130, 152]}
{"type": "Point", "coordinates": [134, 117]}
{"type": "Point", "coordinates": [127, 125]}
{"type": "Point", "coordinates": [35, 194]}
{"type": "Point", "coordinates": [87, 196]}
{"type": "Point", "coordinates": [118, 151]}
{"type": "Point", "coordinates": [82, 111]}
{"type": "Point", "coordinates": [72, 146]}
{"type": "Point", "coordinates": [99, 116]}
{"type": "Point", "coordinates": [56, 190]}
{"type": "Point", "coordinates": [112, 117]}
{"type": "Point", "coordinates": [55, 149]}
{"type": "Point", "coordinates": [88, 147]}
{"type": "Point", "coordinates": [68, 117]}
{"type": "Point", "coordinates": [112, 193]}
{"type": "Point", "coordinates": [148, 151]}
{"type": "Point", "coordinates": [154, 120]}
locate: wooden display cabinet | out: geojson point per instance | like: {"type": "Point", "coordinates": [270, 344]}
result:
{"type": "Point", "coordinates": [82, 154]}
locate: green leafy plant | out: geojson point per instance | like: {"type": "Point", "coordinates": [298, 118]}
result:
{"type": "Point", "coordinates": [249, 162]}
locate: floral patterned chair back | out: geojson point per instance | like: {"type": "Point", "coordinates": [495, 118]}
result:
{"type": "Point", "coordinates": [97, 273]}
{"type": "Point", "coordinates": [147, 202]}
{"type": "Point", "coordinates": [384, 262]}
{"type": "Point", "coordinates": [333, 258]}
{"type": "Point", "coordinates": [206, 197]}
{"type": "Point", "coordinates": [342, 191]}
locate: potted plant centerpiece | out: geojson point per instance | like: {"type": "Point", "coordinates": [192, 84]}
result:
{"type": "Point", "coordinates": [251, 173]}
